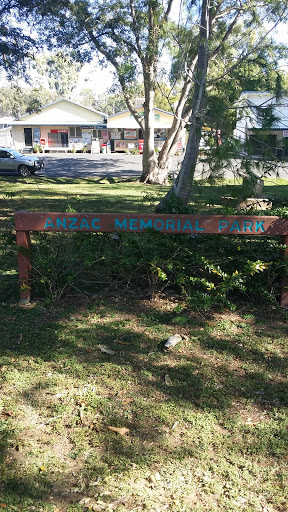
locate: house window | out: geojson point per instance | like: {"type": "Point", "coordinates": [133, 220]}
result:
{"type": "Point", "coordinates": [97, 134]}
{"type": "Point", "coordinates": [57, 139]}
{"type": "Point", "coordinates": [75, 131]}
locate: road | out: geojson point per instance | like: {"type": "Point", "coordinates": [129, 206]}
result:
{"type": "Point", "coordinates": [119, 165]}
{"type": "Point", "coordinates": [77, 165]}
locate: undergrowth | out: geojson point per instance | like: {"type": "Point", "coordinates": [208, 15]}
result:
{"type": "Point", "coordinates": [205, 271]}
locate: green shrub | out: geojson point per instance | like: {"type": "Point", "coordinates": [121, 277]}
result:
{"type": "Point", "coordinates": [203, 271]}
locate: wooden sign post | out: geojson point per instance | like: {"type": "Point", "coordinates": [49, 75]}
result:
{"type": "Point", "coordinates": [133, 223]}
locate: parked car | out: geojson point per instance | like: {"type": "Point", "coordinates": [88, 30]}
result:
{"type": "Point", "coordinates": [13, 161]}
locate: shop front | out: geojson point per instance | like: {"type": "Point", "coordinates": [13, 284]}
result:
{"type": "Point", "coordinates": [125, 134]}
{"type": "Point", "coordinates": [126, 139]}
{"type": "Point", "coordinates": [61, 126]}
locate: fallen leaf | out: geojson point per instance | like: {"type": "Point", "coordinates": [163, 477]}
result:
{"type": "Point", "coordinates": [84, 501]}
{"type": "Point", "coordinates": [155, 478]}
{"type": "Point", "coordinates": [127, 401]}
{"type": "Point", "coordinates": [167, 380]}
{"type": "Point", "coordinates": [120, 430]}
{"type": "Point", "coordinates": [106, 350]}
{"type": "Point", "coordinates": [123, 342]}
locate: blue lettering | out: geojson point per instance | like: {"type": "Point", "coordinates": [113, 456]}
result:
{"type": "Point", "coordinates": [197, 226]}
{"type": "Point", "coordinates": [179, 225]}
{"type": "Point", "coordinates": [61, 223]}
{"type": "Point", "coordinates": [222, 224]}
{"type": "Point", "coordinates": [132, 223]}
{"type": "Point", "coordinates": [93, 224]}
{"type": "Point", "coordinates": [83, 224]}
{"type": "Point", "coordinates": [121, 225]}
{"type": "Point", "coordinates": [187, 225]}
{"type": "Point", "coordinates": [155, 224]}
{"type": "Point", "coordinates": [248, 224]}
{"type": "Point", "coordinates": [73, 221]}
{"type": "Point", "coordinates": [49, 223]}
{"type": "Point", "coordinates": [259, 225]}
{"type": "Point", "coordinates": [145, 225]}
{"type": "Point", "coordinates": [170, 224]}
{"type": "Point", "coordinates": [235, 225]}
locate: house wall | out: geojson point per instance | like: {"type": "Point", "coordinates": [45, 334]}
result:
{"type": "Point", "coordinates": [125, 120]}
{"type": "Point", "coordinates": [247, 117]}
{"type": "Point", "coordinates": [63, 112]}
{"type": "Point", "coordinates": [56, 120]}
{"type": "Point", "coordinates": [44, 131]}
{"type": "Point", "coordinates": [5, 137]}
{"type": "Point", "coordinates": [18, 137]}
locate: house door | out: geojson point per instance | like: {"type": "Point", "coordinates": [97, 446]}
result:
{"type": "Point", "coordinates": [28, 136]}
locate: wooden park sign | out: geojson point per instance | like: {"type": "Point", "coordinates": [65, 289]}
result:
{"type": "Point", "coordinates": [134, 223]}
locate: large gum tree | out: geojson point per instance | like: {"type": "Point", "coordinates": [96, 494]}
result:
{"type": "Point", "coordinates": [129, 34]}
{"type": "Point", "coordinates": [133, 35]}
{"type": "Point", "coordinates": [230, 33]}
{"type": "Point", "coordinates": [211, 40]}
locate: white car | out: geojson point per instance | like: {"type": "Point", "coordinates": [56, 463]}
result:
{"type": "Point", "coordinates": [13, 161]}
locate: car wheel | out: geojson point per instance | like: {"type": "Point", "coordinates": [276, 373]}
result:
{"type": "Point", "coordinates": [24, 170]}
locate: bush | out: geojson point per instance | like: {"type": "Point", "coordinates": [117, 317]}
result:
{"type": "Point", "coordinates": [202, 271]}
{"type": "Point", "coordinates": [37, 149]}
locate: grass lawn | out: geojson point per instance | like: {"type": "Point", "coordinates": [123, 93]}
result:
{"type": "Point", "coordinates": [81, 195]}
{"type": "Point", "coordinates": [95, 415]}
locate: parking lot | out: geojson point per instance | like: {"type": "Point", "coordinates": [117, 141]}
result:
{"type": "Point", "coordinates": [79, 165]}
{"type": "Point", "coordinates": [116, 165]}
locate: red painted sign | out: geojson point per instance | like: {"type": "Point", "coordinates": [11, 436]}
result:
{"type": "Point", "coordinates": [134, 223]}
{"type": "Point", "coordinates": [247, 225]}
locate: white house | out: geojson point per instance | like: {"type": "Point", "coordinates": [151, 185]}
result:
{"type": "Point", "coordinates": [61, 125]}
{"type": "Point", "coordinates": [125, 133]}
{"type": "Point", "coordinates": [6, 131]}
{"type": "Point", "coordinates": [251, 109]}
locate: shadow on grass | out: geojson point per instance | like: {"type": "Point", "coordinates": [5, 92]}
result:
{"type": "Point", "coordinates": [209, 376]}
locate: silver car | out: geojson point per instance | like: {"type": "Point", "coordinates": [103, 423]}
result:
{"type": "Point", "coordinates": [13, 161]}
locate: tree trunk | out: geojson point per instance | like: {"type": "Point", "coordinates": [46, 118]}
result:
{"type": "Point", "coordinates": [168, 150]}
{"type": "Point", "coordinates": [183, 185]}
{"type": "Point", "coordinates": [150, 172]}
{"type": "Point", "coordinates": [149, 160]}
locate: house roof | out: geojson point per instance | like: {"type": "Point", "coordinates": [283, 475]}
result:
{"type": "Point", "coordinates": [125, 119]}
{"type": "Point", "coordinates": [261, 100]}
{"type": "Point", "coordinates": [141, 107]}
{"type": "Point", "coordinates": [62, 112]}
{"type": "Point", "coordinates": [68, 101]}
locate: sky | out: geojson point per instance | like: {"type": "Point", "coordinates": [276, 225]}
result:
{"type": "Point", "coordinates": [93, 76]}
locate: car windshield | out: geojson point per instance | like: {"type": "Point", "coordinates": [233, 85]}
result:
{"type": "Point", "coordinates": [15, 153]}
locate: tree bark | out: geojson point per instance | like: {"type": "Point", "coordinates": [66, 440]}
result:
{"type": "Point", "coordinates": [149, 159]}
{"type": "Point", "coordinates": [183, 185]}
